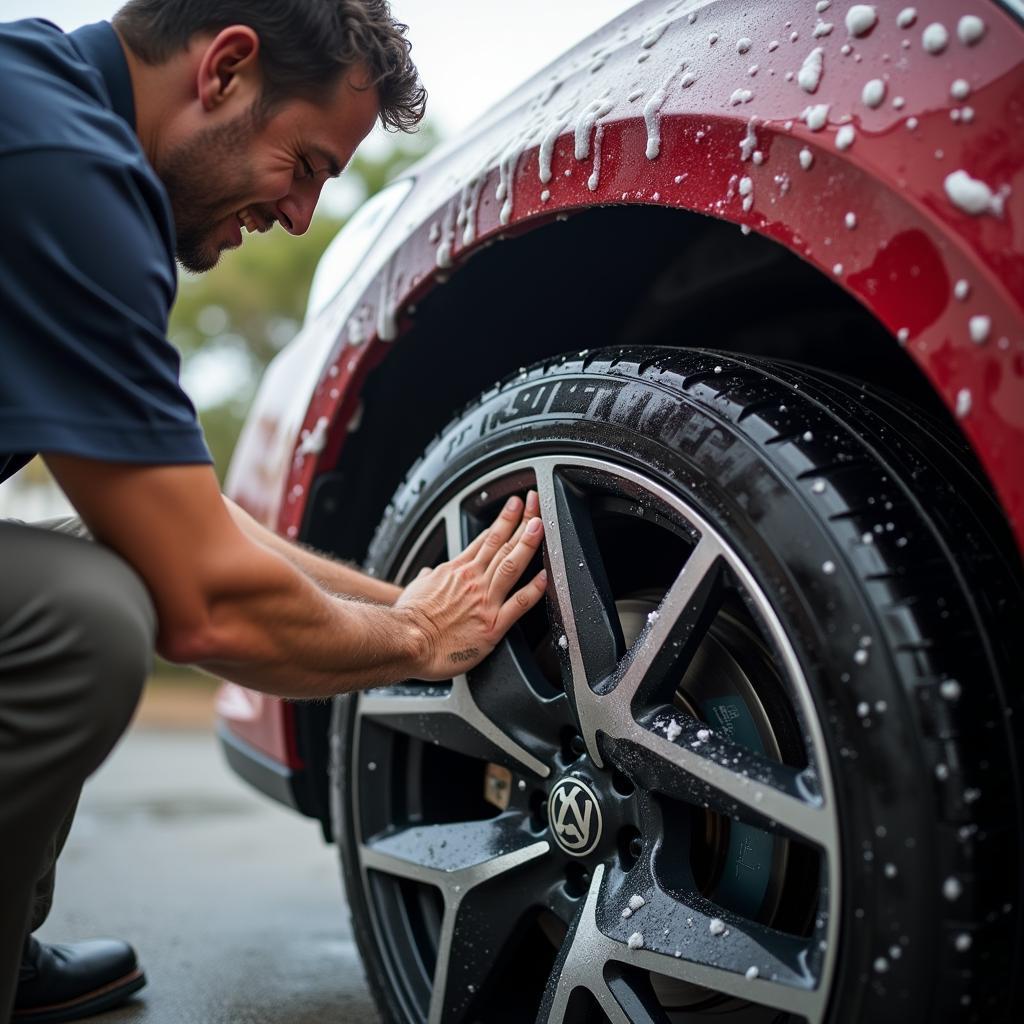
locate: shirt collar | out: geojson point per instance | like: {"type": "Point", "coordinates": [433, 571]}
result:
{"type": "Point", "coordinates": [100, 46]}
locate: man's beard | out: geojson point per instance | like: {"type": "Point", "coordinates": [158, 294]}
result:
{"type": "Point", "coordinates": [203, 177]}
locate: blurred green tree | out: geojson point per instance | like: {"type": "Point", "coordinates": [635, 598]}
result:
{"type": "Point", "coordinates": [230, 322]}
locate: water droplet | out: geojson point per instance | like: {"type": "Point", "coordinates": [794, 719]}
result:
{"type": "Point", "coordinates": [950, 689]}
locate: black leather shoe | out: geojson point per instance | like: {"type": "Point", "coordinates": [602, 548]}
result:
{"type": "Point", "coordinates": [70, 982]}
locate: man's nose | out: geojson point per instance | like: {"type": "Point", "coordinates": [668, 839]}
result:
{"type": "Point", "coordinates": [295, 211]}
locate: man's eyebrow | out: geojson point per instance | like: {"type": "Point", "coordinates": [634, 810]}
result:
{"type": "Point", "coordinates": [334, 167]}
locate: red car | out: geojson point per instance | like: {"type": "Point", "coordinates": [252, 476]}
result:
{"type": "Point", "coordinates": [750, 279]}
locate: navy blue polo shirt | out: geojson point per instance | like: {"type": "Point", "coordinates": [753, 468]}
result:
{"type": "Point", "coordinates": [87, 272]}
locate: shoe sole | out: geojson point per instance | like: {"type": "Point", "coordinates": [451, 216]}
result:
{"type": "Point", "coordinates": [100, 999]}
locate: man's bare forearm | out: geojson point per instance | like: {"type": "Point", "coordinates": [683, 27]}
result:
{"type": "Point", "coordinates": [290, 638]}
{"type": "Point", "coordinates": [332, 576]}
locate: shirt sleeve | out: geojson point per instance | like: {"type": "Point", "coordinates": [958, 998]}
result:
{"type": "Point", "coordinates": [87, 285]}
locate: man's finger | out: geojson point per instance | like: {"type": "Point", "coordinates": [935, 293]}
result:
{"type": "Point", "coordinates": [530, 511]}
{"type": "Point", "coordinates": [472, 549]}
{"type": "Point", "coordinates": [499, 532]}
{"type": "Point", "coordinates": [521, 602]}
{"type": "Point", "coordinates": [504, 571]}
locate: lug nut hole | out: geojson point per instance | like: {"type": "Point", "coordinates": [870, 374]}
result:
{"type": "Point", "coordinates": [631, 847]}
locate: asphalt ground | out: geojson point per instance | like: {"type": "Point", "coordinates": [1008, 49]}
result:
{"type": "Point", "coordinates": [234, 903]}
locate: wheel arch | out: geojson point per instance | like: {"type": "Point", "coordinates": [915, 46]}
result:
{"type": "Point", "coordinates": [606, 276]}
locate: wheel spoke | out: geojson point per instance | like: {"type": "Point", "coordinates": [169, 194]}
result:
{"type": "Point", "coordinates": [703, 767]}
{"type": "Point", "coordinates": [583, 607]}
{"type": "Point", "coordinates": [719, 962]}
{"type": "Point", "coordinates": [658, 658]}
{"type": "Point", "coordinates": [484, 935]}
{"type": "Point", "coordinates": [507, 688]}
{"type": "Point", "coordinates": [457, 859]}
{"type": "Point", "coordinates": [451, 718]}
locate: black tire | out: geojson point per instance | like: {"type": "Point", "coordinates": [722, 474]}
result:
{"type": "Point", "coordinates": [797, 469]}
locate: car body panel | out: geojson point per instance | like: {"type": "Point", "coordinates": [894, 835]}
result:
{"type": "Point", "coordinates": [619, 121]}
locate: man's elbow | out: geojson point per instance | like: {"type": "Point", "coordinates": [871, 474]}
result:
{"type": "Point", "coordinates": [190, 644]}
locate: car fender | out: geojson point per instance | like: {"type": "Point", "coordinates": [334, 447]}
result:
{"type": "Point", "coordinates": [721, 109]}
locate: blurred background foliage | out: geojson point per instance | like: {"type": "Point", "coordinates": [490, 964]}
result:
{"type": "Point", "coordinates": [230, 322]}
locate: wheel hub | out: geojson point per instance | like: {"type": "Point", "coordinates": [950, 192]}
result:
{"type": "Point", "coordinates": [574, 816]}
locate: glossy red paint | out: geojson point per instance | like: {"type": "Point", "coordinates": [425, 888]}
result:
{"type": "Point", "coordinates": [264, 722]}
{"type": "Point", "coordinates": [668, 140]}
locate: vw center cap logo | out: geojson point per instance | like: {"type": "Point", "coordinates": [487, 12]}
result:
{"type": "Point", "coordinates": [575, 816]}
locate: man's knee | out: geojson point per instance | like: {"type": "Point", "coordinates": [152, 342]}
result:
{"type": "Point", "coordinates": [105, 634]}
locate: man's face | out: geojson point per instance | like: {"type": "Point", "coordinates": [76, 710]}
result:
{"type": "Point", "coordinates": [253, 171]}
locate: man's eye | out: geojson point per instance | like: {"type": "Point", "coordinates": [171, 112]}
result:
{"type": "Point", "coordinates": [306, 166]}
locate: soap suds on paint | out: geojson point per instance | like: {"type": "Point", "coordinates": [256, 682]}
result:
{"type": "Point", "coordinates": [963, 403]}
{"type": "Point", "coordinates": [873, 93]}
{"type": "Point", "coordinates": [749, 141]}
{"type": "Point", "coordinates": [816, 116]}
{"type": "Point", "coordinates": [595, 173]}
{"type": "Point", "coordinates": [969, 29]}
{"type": "Point", "coordinates": [845, 136]}
{"type": "Point", "coordinates": [935, 38]}
{"type": "Point", "coordinates": [652, 115]}
{"type": "Point", "coordinates": [860, 18]}
{"type": "Point", "coordinates": [960, 89]}
{"type": "Point", "coordinates": [314, 441]}
{"type": "Point", "coordinates": [971, 195]}
{"type": "Point", "coordinates": [823, 28]}
{"type": "Point", "coordinates": [741, 96]}
{"type": "Point", "coordinates": [906, 17]}
{"type": "Point", "coordinates": [809, 75]}
{"type": "Point", "coordinates": [585, 125]}
{"type": "Point", "coordinates": [961, 290]}
{"type": "Point", "coordinates": [979, 327]}
{"type": "Point", "coordinates": [547, 149]}
{"type": "Point", "coordinates": [806, 158]}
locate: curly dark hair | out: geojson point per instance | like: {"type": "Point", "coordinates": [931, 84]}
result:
{"type": "Point", "coordinates": [305, 45]}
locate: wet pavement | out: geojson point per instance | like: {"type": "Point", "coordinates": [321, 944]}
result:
{"type": "Point", "coordinates": [234, 904]}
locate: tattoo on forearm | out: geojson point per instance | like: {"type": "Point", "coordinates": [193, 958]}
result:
{"type": "Point", "coordinates": [456, 657]}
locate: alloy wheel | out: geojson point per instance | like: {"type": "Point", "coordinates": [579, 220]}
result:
{"type": "Point", "coordinates": [628, 806]}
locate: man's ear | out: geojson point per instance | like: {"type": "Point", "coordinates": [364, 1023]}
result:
{"type": "Point", "coordinates": [228, 66]}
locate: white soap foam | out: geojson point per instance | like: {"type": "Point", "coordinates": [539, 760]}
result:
{"type": "Point", "coordinates": [749, 141]}
{"type": "Point", "coordinates": [860, 18]}
{"type": "Point", "coordinates": [935, 38]}
{"type": "Point", "coordinates": [972, 195]}
{"type": "Point", "coordinates": [816, 116]}
{"type": "Point", "coordinates": [809, 75]}
{"type": "Point", "coordinates": [969, 29]}
{"type": "Point", "coordinates": [979, 327]}
{"type": "Point", "coordinates": [873, 93]}
{"type": "Point", "coordinates": [595, 172]}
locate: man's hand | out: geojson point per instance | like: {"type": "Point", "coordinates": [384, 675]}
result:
{"type": "Point", "coordinates": [465, 606]}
